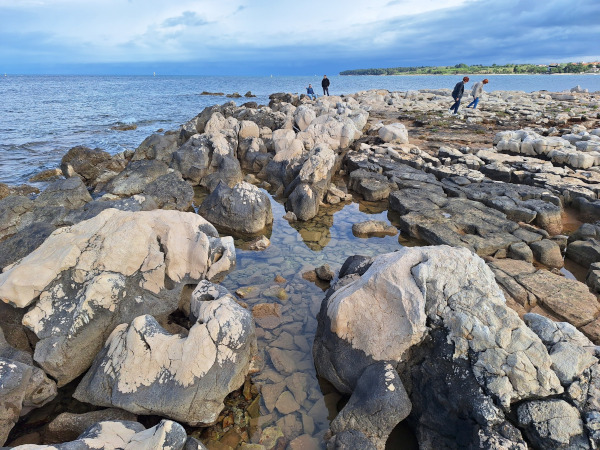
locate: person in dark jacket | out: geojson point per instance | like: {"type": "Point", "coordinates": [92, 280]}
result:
{"type": "Point", "coordinates": [457, 94]}
{"type": "Point", "coordinates": [325, 85]}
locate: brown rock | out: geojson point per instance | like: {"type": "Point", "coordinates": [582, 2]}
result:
{"type": "Point", "coordinates": [304, 442]}
{"type": "Point", "coordinates": [267, 315]}
{"type": "Point", "coordinates": [286, 404]}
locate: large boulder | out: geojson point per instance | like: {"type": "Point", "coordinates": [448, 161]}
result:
{"type": "Point", "coordinates": [70, 193]}
{"type": "Point", "coordinates": [84, 281]}
{"type": "Point", "coordinates": [144, 369]}
{"type": "Point", "coordinates": [157, 146]}
{"type": "Point", "coordinates": [243, 209]}
{"type": "Point", "coordinates": [394, 132]}
{"type": "Point", "coordinates": [170, 191]}
{"type": "Point", "coordinates": [94, 166]}
{"type": "Point", "coordinates": [435, 304]}
{"type": "Point", "coordinates": [136, 176]}
{"type": "Point", "coordinates": [308, 189]}
{"type": "Point", "coordinates": [124, 435]}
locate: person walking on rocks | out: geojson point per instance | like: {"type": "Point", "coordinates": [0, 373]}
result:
{"type": "Point", "coordinates": [457, 94]}
{"type": "Point", "coordinates": [311, 92]}
{"type": "Point", "coordinates": [476, 93]}
{"type": "Point", "coordinates": [325, 85]}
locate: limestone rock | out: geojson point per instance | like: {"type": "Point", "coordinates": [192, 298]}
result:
{"type": "Point", "coordinates": [547, 252]}
{"type": "Point", "coordinates": [70, 193]}
{"type": "Point", "coordinates": [373, 228]}
{"type": "Point", "coordinates": [85, 281]}
{"type": "Point", "coordinates": [398, 283]}
{"type": "Point", "coordinates": [379, 402]}
{"type": "Point", "coordinates": [23, 388]}
{"type": "Point", "coordinates": [92, 165]}
{"type": "Point", "coordinates": [395, 132]}
{"type": "Point", "coordinates": [157, 146]}
{"type": "Point", "coordinates": [125, 435]}
{"type": "Point", "coordinates": [68, 426]}
{"type": "Point", "coordinates": [135, 177]}
{"type": "Point", "coordinates": [552, 424]}
{"type": "Point", "coordinates": [145, 370]}
{"type": "Point", "coordinates": [584, 253]}
{"type": "Point", "coordinates": [243, 209]}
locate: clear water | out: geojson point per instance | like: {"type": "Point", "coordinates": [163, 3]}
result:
{"type": "Point", "coordinates": [41, 117]}
{"type": "Point", "coordinates": [295, 249]}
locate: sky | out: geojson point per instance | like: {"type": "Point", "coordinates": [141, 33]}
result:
{"type": "Point", "coordinates": [284, 37]}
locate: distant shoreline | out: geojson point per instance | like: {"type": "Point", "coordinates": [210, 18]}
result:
{"type": "Point", "coordinates": [471, 74]}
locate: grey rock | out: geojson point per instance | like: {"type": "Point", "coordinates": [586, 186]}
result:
{"type": "Point", "coordinates": [350, 440]}
{"type": "Point", "coordinates": [23, 387]}
{"type": "Point", "coordinates": [124, 434]}
{"type": "Point", "coordinates": [324, 272]}
{"type": "Point", "coordinates": [157, 146]}
{"type": "Point", "coordinates": [243, 209]}
{"type": "Point", "coordinates": [356, 264]}
{"type": "Point", "coordinates": [26, 240]}
{"type": "Point", "coordinates": [94, 166]}
{"type": "Point", "coordinates": [521, 251]}
{"type": "Point", "coordinates": [70, 193]}
{"type": "Point", "coordinates": [170, 191]}
{"type": "Point", "coordinates": [135, 177]}
{"type": "Point", "coordinates": [68, 426]}
{"type": "Point", "coordinates": [584, 253]}
{"type": "Point", "coordinates": [136, 370]}
{"type": "Point", "coordinates": [552, 424]}
{"type": "Point", "coordinates": [378, 403]}
{"type": "Point", "coordinates": [569, 361]}
{"type": "Point", "coordinates": [547, 252]}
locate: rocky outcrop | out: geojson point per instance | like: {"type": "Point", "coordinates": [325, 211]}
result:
{"type": "Point", "coordinates": [23, 386]}
{"type": "Point", "coordinates": [144, 369]}
{"type": "Point", "coordinates": [94, 166]}
{"type": "Point", "coordinates": [157, 146]}
{"type": "Point", "coordinates": [308, 189]}
{"type": "Point", "coordinates": [84, 281]}
{"type": "Point", "coordinates": [528, 286]}
{"type": "Point", "coordinates": [135, 177]}
{"type": "Point", "coordinates": [124, 434]}
{"type": "Point", "coordinates": [418, 294]}
{"type": "Point", "coordinates": [243, 209]}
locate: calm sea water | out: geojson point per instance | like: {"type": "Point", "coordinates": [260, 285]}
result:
{"type": "Point", "coordinates": [41, 117]}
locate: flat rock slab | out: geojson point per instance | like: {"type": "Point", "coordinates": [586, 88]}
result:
{"type": "Point", "coordinates": [568, 299]}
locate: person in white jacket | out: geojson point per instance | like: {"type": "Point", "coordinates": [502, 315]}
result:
{"type": "Point", "coordinates": [476, 93]}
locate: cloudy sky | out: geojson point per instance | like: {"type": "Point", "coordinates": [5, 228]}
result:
{"type": "Point", "coordinates": [259, 37]}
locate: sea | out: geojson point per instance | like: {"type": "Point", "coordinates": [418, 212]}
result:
{"type": "Point", "coordinates": [42, 117]}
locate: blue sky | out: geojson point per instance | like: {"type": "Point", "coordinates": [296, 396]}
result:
{"type": "Point", "coordinates": [284, 37]}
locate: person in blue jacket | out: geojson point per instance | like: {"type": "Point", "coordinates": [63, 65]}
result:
{"type": "Point", "coordinates": [310, 92]}
{"type": "Point", "coordinates": [457, 94]}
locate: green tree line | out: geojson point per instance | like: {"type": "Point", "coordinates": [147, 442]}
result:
{"type": "Point", "coordinates": [473, 69]}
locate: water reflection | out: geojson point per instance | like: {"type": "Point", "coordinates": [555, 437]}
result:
{"type": "Point", "coordinates": [285, 306]}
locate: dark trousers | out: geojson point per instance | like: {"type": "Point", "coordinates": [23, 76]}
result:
{"type": "Point", "coordinates": [325, 90]}
{"type": "Point", "coordinates": [456, 105]}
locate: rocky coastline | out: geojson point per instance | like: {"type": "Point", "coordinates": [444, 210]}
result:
{"type": "Point", "coordinates": [117, 329]}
